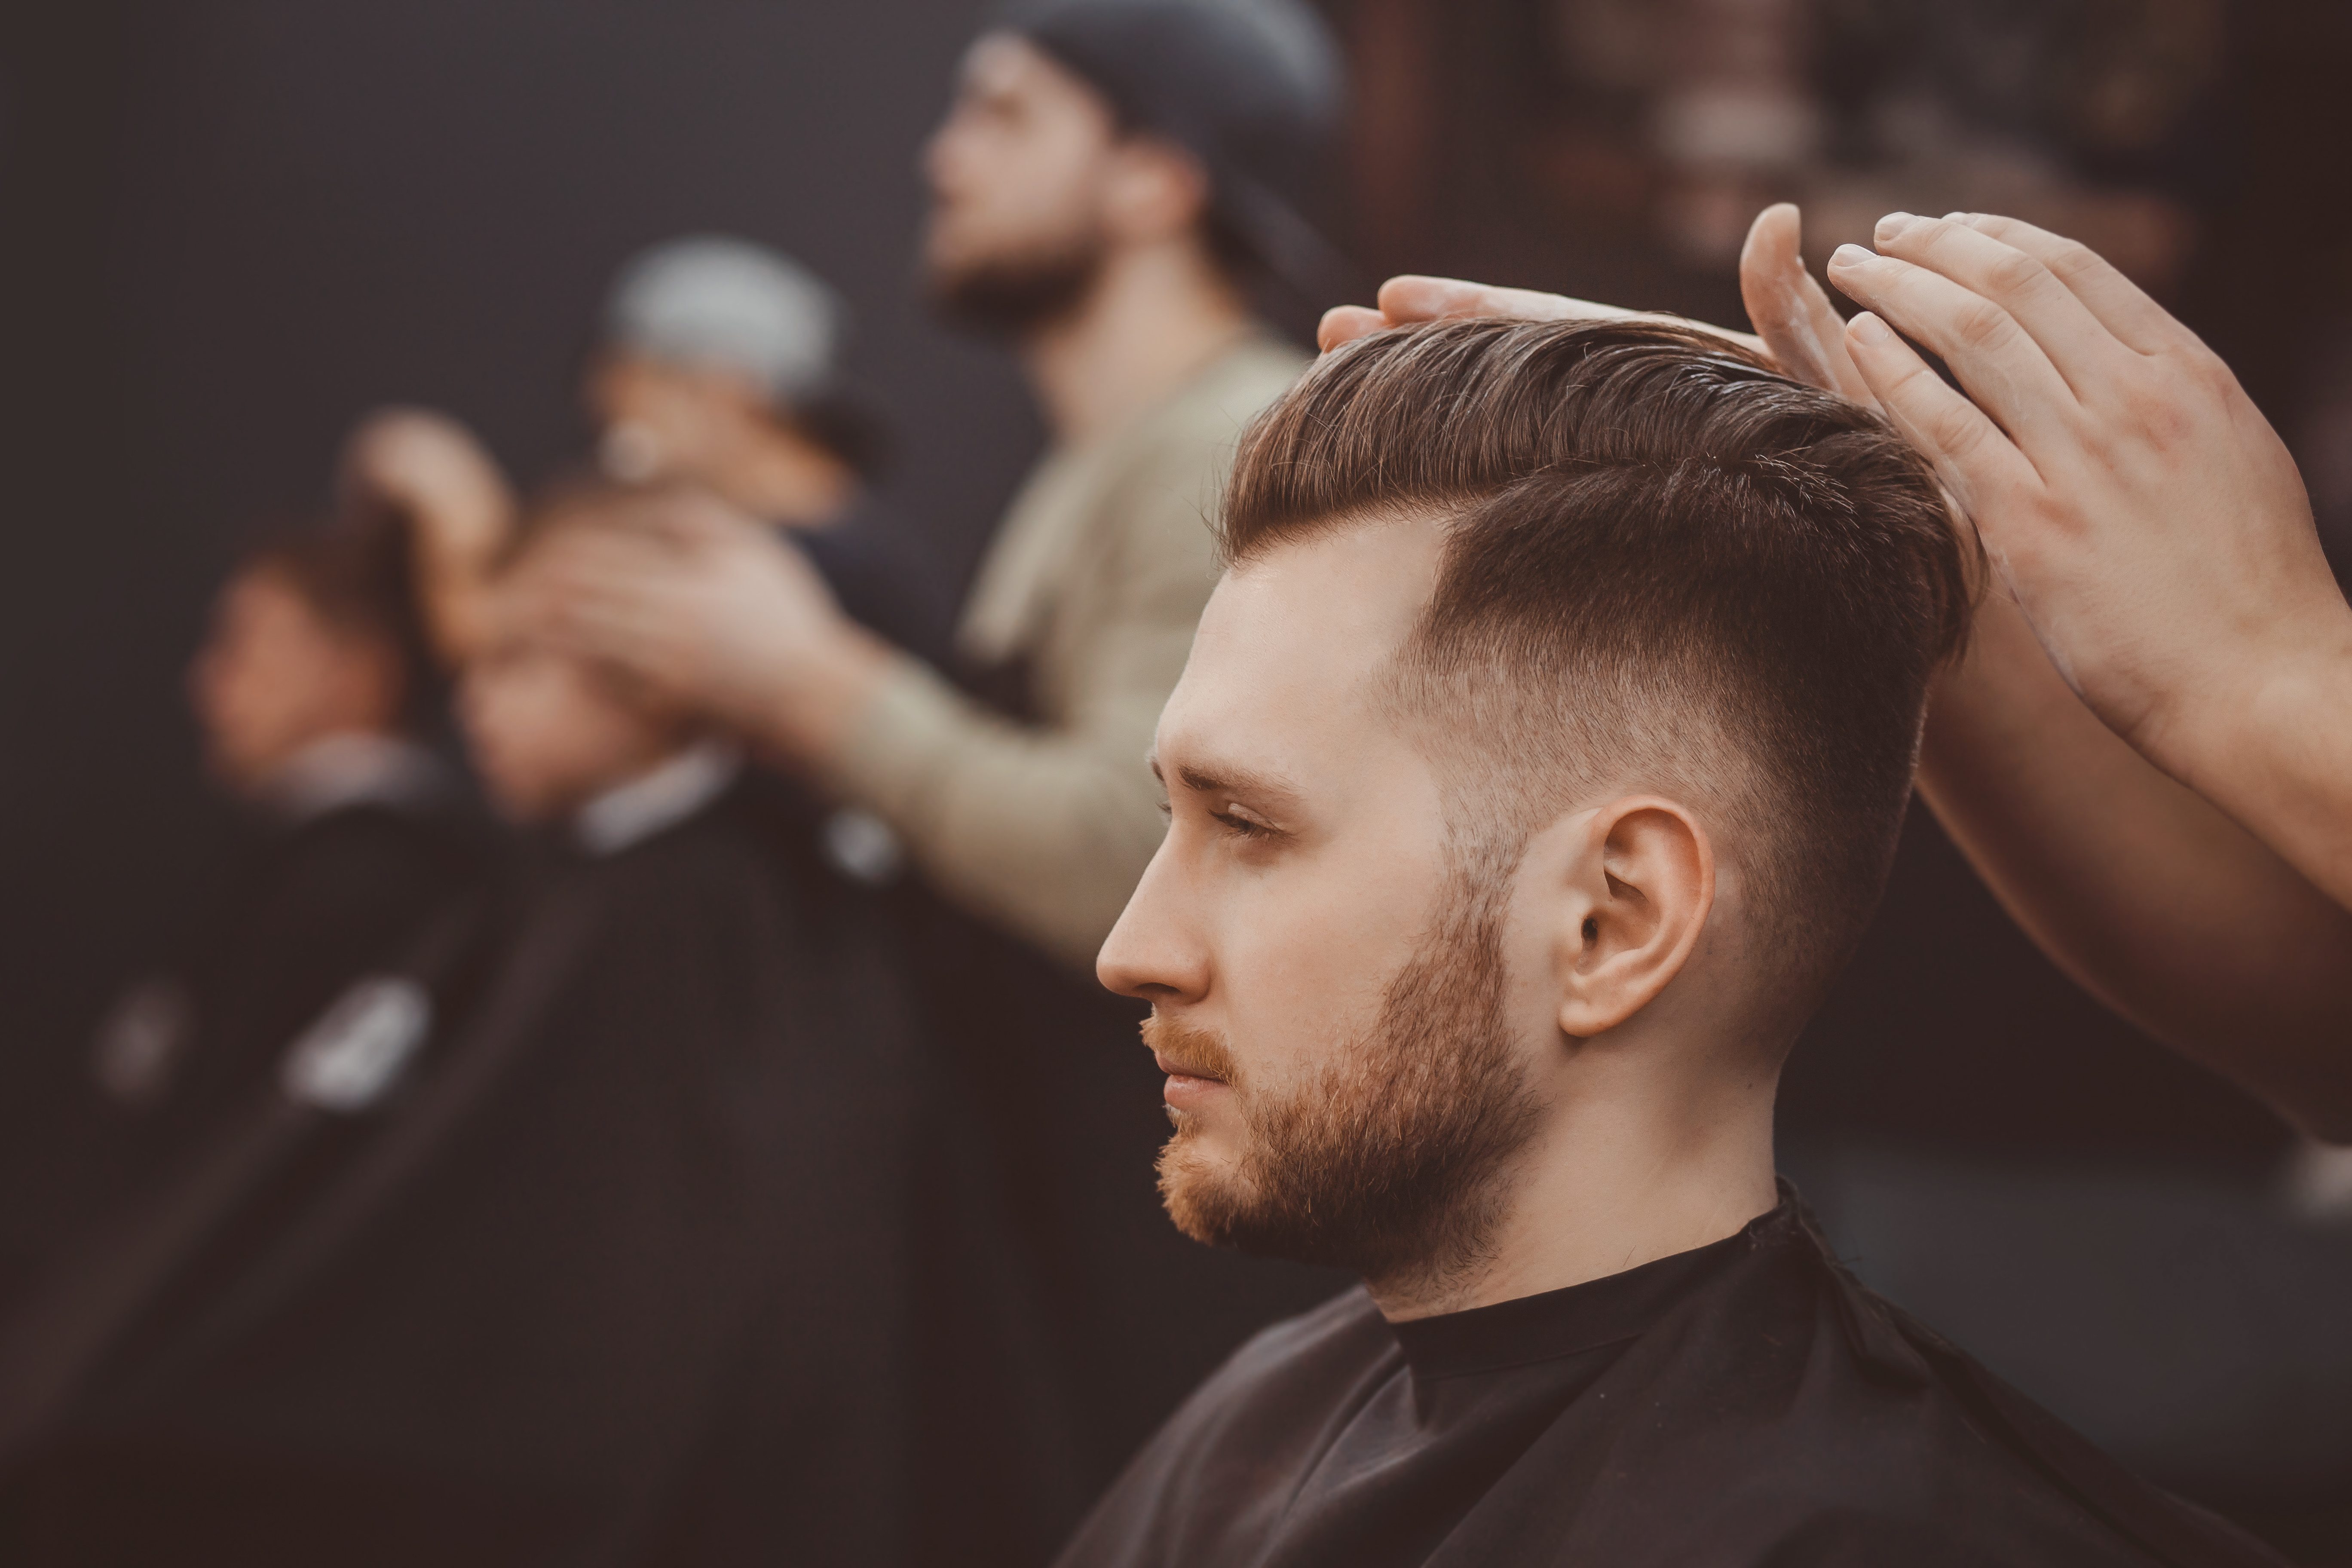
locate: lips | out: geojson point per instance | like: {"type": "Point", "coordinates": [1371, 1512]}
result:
{"type": "Point", "coordinates": [1176, 1068]}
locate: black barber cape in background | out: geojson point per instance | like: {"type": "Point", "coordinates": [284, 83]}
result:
{"type": "Point", "coordinates": [370, 842]}
{"type": "Point", "coordinates": [1744, 1405]}
{"type": "Point", "coordinates": [613, 1273]}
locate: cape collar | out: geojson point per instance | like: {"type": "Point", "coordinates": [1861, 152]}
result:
{"type": "Point", "coordinates": [355, 768]}
{"type": "Point", "coordinates": [661, 797]}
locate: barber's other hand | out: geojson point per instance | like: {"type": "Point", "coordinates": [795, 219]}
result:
{"type": "Point", "coordinates": [1796, 326]}
{"type": "Point", "coordinates": [1411, 298]}
{"type": "Point", "coordinates": [722, 616]}
{"type": "Point", "coordinates": [444, 489]}
{"type": "Point", "coordinates": [2147, 519]}
{"type": "Point", "coordinates": [431, 467]}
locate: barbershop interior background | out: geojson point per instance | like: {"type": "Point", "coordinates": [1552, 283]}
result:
{"type": "Point", "coordinates": [234, 225]}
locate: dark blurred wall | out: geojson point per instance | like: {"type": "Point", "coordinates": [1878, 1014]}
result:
{"type": "Point", "coordinates": [233, 226]}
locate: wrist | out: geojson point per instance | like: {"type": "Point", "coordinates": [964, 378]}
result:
{"type": "Point", "coordinates": [2271, 744]}
{"type": "Point", "coordinates": [2266, 701]}
{"type": "Point", "coordinates": [811, 713]}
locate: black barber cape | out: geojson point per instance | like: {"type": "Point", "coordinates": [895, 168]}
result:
{"type": "Point", "coordinates": [611, 1272]}
{"type": "Point", "coordinates": [1743, 1405]}
{"type": "Point", "coordinates": [304, 907]}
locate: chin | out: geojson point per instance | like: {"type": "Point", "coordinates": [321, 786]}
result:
{"type": "Point", "coordinates": [1202, 1192]}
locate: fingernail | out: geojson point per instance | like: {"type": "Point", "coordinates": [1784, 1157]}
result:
{"type": "Point", "coordinates": [1869, 329]}
{"type": "Point", "coordinates": [1954, 217]}
{"type": "Point", "coordinates": [1849, 255]}
{"type": "Point", "coordinates": [1894, 223]}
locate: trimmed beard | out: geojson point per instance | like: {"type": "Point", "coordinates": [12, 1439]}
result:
{"type": "Point", "coordinates": [1013, 295]}
{"type": "Point", "coordinates": [1390, 1161]}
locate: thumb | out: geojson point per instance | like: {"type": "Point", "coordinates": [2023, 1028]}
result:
{"type": "Point", "coordinates": [1790, 310]}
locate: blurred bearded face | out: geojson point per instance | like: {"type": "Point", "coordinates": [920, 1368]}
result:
{"type": "Point", "coordinates": [1353, 1025]}
{"type": "Point", "coordinates": [1017, 173]}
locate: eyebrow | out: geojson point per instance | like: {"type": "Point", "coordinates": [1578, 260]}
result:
{"type": "Point", "coordinates": [1230, 779]}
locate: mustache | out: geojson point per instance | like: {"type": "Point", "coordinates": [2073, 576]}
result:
{"type": "Point", "coordinates": [1197, 1053]}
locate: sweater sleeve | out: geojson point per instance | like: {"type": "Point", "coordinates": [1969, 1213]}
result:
{"type": "Point", "coordinates": [1047, 830]}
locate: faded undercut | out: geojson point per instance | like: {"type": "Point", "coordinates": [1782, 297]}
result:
{"type": "Point", "coordinates": [1668, 567]}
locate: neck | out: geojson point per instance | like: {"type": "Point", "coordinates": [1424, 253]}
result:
{"type": "Point", "coordinates": [1624, 1171]}
{"type": "Point", "coordinates": [1157, 316]}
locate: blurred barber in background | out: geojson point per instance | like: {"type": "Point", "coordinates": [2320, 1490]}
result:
{"type": "Point", "coordinates": [1111, 183]}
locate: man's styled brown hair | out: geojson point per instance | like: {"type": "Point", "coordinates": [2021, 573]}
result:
{"type": "Point", "coordinates": [1668, 567]}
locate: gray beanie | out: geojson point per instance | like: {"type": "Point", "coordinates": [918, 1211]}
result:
{"type": "Point", "coordinates": [707, 300]}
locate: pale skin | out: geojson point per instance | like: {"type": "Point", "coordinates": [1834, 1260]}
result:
{"type": "Point", "coordinates": [1028, 155]}
{"type": "Point", "coordinates": [1304, 861]}
{"type": "Point", "coordinates": [2170, 817]}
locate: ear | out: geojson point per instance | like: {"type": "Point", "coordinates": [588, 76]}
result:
{"type": "Point", "coordinates": [1639, 885]}
{"type": "Point", "coordinates": [1156, 191]}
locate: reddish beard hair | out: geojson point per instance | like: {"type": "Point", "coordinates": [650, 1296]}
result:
{"type": "Point", "coordinates": [1389, 1160]}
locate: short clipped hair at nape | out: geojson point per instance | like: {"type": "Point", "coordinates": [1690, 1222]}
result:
{"type": "Point", "coordinates": [1668, 567]}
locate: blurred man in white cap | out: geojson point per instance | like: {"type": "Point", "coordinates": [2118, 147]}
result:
{"type": "Point", "coordinates": [718, 364]}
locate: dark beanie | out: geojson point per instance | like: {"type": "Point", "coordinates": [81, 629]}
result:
{"type": "Point", "coordinates": [1253, 88]}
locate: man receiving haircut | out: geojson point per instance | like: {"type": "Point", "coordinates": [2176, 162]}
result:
{"type": "Point", "coordinates": [1537, 768]}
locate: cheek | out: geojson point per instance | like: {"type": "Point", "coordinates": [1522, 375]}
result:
{"type": "Point", "coordinates": [267, 696]}
{"type": "Point", "coordinates": [1308, 956]}
{"type": "Point", "coordinates": [1026, 188]}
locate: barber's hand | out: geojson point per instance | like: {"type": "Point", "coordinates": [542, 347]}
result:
{"type": "Point", "coordinates": [1415, 299]}
{"type": "Point", "coordinates": [720, 615]}
{"type": "Point", "coordinates": [431, 467]}
{"type": "Point", "coordinates": [1796, 326]}
{"type": "Point", "coordinates": [447, 492]}
{"type": "Point", "coordinates": [2147, 519]}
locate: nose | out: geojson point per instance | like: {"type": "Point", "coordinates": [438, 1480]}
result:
{"type": "Point", "coordinates": [1155, 952]}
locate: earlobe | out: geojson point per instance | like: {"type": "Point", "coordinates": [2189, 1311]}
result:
{"type": "Point", "coordinates": [1638, 898]}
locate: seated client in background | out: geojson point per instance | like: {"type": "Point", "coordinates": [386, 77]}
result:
{"type": "Point", "coordinates": [307, 689]}
{"type": "Point", "coordinates": [1538, 766]}
{"type": "Point", "coordinates": [591, 1251]}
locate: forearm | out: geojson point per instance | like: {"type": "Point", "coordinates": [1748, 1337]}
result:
{"type": "Point", "coordinates": [1044, 832]}
{"type": "Point", "coordinates": [2276, 754]}
{"type": "Point", "coordinates": [2150, 897]}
